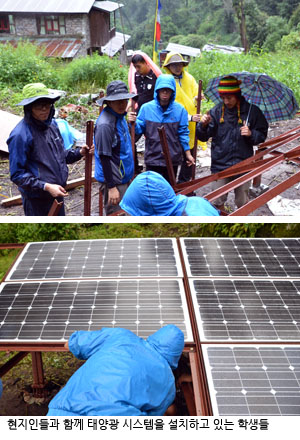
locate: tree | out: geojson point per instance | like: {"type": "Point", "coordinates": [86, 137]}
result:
{"type": "Point", "coordinates": [240, 13]}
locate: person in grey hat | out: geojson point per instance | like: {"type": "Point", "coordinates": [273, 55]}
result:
{"type": "Point", "coordinates": [114, 162]}
{"type": "Point", "coordinates": [37, 157]}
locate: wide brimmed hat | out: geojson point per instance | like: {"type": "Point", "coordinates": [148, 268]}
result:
{"type": "Point", "coordinates": [33, 92]}
{"type": "Point", "coordinates": [176, 59]}
{"type": "Point", "coordinates": [116, 91]}
{"type": "Point", "coordinates": [229, 85]}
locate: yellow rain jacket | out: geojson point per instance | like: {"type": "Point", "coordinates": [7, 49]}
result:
{"type": "Point", "coordinates": [186, 93]}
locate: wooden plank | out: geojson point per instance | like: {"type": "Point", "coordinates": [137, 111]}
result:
{"type": "Point", "coordinates": [17, 200]}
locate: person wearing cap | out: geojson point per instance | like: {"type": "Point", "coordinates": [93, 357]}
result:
{"type": "Point", "coordinates": [232, 138]}
{"type": "Point", "coordinates": [186, 94]}
{"type": "Point", "coordinates": [149, 194]}
{"type": "Point", "coordinates": [124, 374]}
{"type": "Point", "coordinates": [37, 157]}
{"type": "Point", "coordinates": [114, 163]}
{"type": "Point", "coordinates": [163, 110]}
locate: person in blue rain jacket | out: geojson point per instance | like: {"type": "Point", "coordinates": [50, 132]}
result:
{"type": "Point", "coordinates": [114, 162]}
{"type": "Point", "coordinates": [124, 375]}
{"type": "Point", "coordinates": [164, 111]}
{"type": "Point", "coordinates": [1, 388]}
{"type": "Point", "coordinates": [150, 194]}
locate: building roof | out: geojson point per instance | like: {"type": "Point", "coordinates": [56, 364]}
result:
{"type": "Point", "coordinates": [54, 47]}
{"type": "Point", "coordinates": [107, 6]}
{"type": "Point", "coordinates": [115, 44]}
{"type": "Point", "coordinates": [222, 49]}
{"type": "Point", "coordinates": [184, 50]}
{"type": "Point", "coordinates": [57, 6]}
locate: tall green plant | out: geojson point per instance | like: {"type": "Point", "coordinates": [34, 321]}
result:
{"type": "Point", "coordinates": [91, 73]}
{"type": "Point", "coordinates": [25, 64]}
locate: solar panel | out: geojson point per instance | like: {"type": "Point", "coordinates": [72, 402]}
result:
{"type": "Point", "coordinates": [224, 257]}
{"type": "Point", "coordinates": [252, 310]}
{"type": "Point", "coordinates": [253, 380]}
{"type": "Point", "coordinates": [52, 311]}
{"type": "Point", "coordinates": [116, 258]}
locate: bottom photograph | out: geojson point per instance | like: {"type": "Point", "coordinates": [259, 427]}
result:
{"type": "Point", "coordinates": [150, 319]}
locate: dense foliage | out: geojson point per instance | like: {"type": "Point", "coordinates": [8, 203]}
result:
{"type": "Point", "coordinates": [27, 232]}
{"type": "Point", "coordinates": [196, 22]}
{"type": "Point", "coordinates": [280, 66]}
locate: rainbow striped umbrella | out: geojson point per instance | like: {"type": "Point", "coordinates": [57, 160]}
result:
{"type": "Point", "coordinates": [275, 99]}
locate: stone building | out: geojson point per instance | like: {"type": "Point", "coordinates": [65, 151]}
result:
{"type": "Point", "coordinates": [63, 28]}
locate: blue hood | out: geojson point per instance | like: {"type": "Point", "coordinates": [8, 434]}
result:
{"type": "Point", "coordinates": [165, 81]}
{"type": "Point", "coordinates": [150, 194]}
{"type": "Point", "coordinates": [168, 341]}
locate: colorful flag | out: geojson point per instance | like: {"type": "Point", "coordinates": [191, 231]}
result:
{"type": "Point", "coordinates": [157, 31]}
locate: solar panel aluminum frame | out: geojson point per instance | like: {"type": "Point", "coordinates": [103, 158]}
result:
{"type": "Point", "coordinates": [16, 266]}
{"type": "Point", "coordinates": [54, 307]}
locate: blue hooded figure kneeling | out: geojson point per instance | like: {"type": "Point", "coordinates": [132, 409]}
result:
{"type": "Point", "coordinates": [150, 194]}
{"type": "Point", "coordinates": [124, 375]}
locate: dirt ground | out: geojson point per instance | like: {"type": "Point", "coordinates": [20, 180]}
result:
{"type": "Point", "coordinates": [75, 200]}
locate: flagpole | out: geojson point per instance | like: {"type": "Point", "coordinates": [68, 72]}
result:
{"type": "Point", "coordinates": [154, 56]}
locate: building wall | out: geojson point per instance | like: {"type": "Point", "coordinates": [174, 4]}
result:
{"type": "Point", "coordinates": [25, 25]}
{"type": "Point", "coordinates": [77, 25]}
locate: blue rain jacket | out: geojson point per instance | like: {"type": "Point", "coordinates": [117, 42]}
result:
{"type": "Point", "coordinates": [112, 139]}
{"type": "Point", "coordinates": [124, 375]}
{"type": "Point", "coordinates": [37, 156]}
{"type": "Point", "coordinates": [174, 119]}
{"type": "Point", "coordinates": [69, 134]}
{"type": "Point", "coordinates": [1, 388]}
{"type": "Point", "coordinates": [150, 194]}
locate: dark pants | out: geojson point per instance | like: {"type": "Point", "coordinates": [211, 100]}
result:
{"type": "Point", "coordinates": [111, 209]}
{"type": "Point", "coordinates": [41, 206]}
{"type": "Point", "coordinates": [185, 173]}
{"type": "Point", "coordinates": [163, 171]}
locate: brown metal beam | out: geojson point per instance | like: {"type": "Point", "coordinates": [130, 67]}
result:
{"type": "Point", "coordinates": [167, 156]}
{"type": "Point", "coordinates": [240, 180]}
{"type": "Point", "coordinates": [266, 196]}
{"type": "Point", "coordinates": [88, 169]}
{"type": "Point", "coordinates": [55, 208]}
{"type": "Point", "coordinates": [200, 384]}
{"type": "Point", "coordinates": [12, 362]}
{"type": "Point", "coordinates": [39, 383]}
{"type": "Point", "coordinates": [194, 151]}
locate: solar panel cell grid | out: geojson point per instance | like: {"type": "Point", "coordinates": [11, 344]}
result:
{"type": "Point", "coordinates": [98, 258]}
{"type": "Point", "coordinates": [52, 310]}
{"type": "Point", "coordinates": [242, 257]}
{"type": "Point", "coordinates": [247, 309]}
{"type": "Point", "coordinates": [254, 380]}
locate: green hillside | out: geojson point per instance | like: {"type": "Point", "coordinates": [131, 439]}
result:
{"type": "Point", "coordinates": [195, 23]}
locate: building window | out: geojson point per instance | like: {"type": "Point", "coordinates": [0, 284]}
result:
{"type": "Point", "coordinates": [7, 24]}
{"type": "Point", "coordinates": [52, 25]}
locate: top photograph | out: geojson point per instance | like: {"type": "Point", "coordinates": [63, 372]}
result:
{"type": "Point", "coordinates": [149, 108]}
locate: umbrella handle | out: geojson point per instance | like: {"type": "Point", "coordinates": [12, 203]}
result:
{"type": "Point", "coordinates": [247, 120]}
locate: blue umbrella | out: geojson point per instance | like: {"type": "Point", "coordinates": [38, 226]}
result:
{"type": "Point", "coordinates": [275, 99]}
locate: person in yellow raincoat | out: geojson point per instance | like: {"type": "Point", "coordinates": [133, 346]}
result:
{"type": "Point", "coordinates": [186, 94]}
